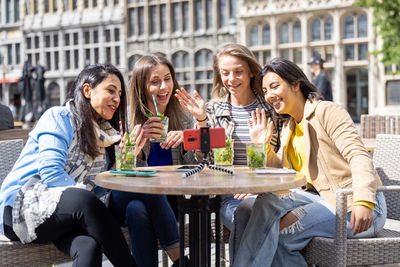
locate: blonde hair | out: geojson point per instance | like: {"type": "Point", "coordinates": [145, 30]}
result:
{"type": "Point", "coordinates": [242, 52]}
{"type": "Point", "coordinates": [137, 93]}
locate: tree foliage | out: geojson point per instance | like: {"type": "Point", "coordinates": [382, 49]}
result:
{"type": "Point", "coordinates": [387, 25]}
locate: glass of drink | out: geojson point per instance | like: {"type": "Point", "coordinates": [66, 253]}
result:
{"type": "Point", "coordinates": [224, 156]}
{"type": "Point", "coordinates": [163, 137]}
{"type": "Point", "coordinates": [125, 157]}
{"type": "Point", "coordinates": [256, 156]}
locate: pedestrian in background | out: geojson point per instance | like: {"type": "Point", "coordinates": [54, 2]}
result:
{"type": "Point", "coordinates": [321, 80]}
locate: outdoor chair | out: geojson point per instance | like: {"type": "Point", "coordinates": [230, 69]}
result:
{"type": "Point", "coordinates": [371, 125]}
{"type": "Point", "coordinates": [383, 249]}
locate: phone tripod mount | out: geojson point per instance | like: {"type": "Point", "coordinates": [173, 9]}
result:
{"type": "Point", "coordinates": [205, 148]}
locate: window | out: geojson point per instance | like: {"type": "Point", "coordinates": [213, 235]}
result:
{"type": "Point", "coordinates": [349, 49]}
{"type": "Point", "coordinates": [266, 39]}
{"type": "Point", "coordinates": [132, 60]}
{"type": "Point", "coordinates": [198, 15]}
{"type": "Point", "coordinates": [362, 51]}
{"type": "Point", "coordinates": [132, 21]}
{"type": "Point", "coordinates": [254, 36]}
{"type": "Point", "coordinates": [141, 20]}
{"type": "Point", "coordinates": [153, 19]}
{"type": "Point", "coordinates": [209, 14]}
{"type": "Point", "coordinates": [163, 18]}
{"type": "Point", "coordinates": [181, 62]}
{"type": "Point", "coordinates": [222, 13]}
{"type": "Point", "coordinates": [204, 72]}
{"type": "Point", "coordinates": [176, 17]}
{"type": "Point", "coordinates": [362, 26]}
{"type": "Point", "coordinates": [297, 32]}
{"type": "Point", "coordinates": [393, 93]}
{"type": "Point", "coordinates": [349, 27]}
{"type": "Point", "coordinates": [328, 29]}
{"type": "Point", "coordinates": [185, 16]}
{"type": "Point", "coordinates": [284, 33]}
{"type": "Point", "coordinates": [316, 30]}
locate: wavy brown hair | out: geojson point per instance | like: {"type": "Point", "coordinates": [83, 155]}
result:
{"type": "Point", "coordinates": [83, 113]}
{"type": "Point", "coordinates": [242, 52]}
{"type": "Point", "coordinates": [137, 93]}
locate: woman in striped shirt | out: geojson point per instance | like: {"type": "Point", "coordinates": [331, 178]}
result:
{"type": "Point", "coordinates": [236, 94]}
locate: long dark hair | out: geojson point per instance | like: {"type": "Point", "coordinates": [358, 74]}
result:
{"type": "Point", "coordinates": [137, 93]}
{"type": "Point", "coordinates": [82, 111]}
{"type": "Point", "coordinates": [291, 73]}
{"type": "Point", "coordinates": [242, 52]}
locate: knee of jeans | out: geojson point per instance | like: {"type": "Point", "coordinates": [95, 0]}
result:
{"type": "Point", "coordinates": [136, 212]}
{"type": "Point", "coordinates": [296, 226]}
{"type": "Point", "coordinates": [85, 245]}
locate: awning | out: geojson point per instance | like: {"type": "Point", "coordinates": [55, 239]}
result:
{"type": "Point", "coordinates": [9, 80]}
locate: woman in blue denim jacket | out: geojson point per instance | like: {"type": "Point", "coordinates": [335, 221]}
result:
{"type": "Point", "coordinates": [47, 195]}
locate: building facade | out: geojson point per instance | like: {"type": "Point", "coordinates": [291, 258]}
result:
{"type": "Point", "coordinates": [65, 35]}
{"type": "Point", "coordinates": [338, 31]}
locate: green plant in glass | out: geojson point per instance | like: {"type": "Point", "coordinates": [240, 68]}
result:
{"type": "Point", "coordinates": [255, 156]}
{"type": "Point", "coordinates": [224, 155]}
{"type": "Point", "coordinates": [164, 121]}
{"type": "Point", "coordinates": [125, 154]}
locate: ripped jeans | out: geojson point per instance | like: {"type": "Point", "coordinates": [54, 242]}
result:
{"type": "Point", "coordinates": [262, 243]}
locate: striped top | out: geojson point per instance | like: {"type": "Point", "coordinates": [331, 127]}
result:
{"type": "Point", "coordinates": [240, 115]}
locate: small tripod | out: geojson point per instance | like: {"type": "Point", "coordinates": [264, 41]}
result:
{"type": "Point", "coordinates": [205, 148]}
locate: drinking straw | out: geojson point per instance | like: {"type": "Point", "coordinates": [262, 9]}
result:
{"type": "Point", "coordinates": [123, 149]}
{"type": "Point", "coordinates": [155, 104]}
{"type": "Point", "coordinates": [121, 132]}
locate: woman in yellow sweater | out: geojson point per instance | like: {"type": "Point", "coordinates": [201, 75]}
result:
{"type": "Point", "coordinates": [320, 141]}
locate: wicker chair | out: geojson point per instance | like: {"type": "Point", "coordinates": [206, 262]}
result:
{"type": "Point", "coordinates": [15, 253]}
{"type": "Point", "coordinates": [383, 249]}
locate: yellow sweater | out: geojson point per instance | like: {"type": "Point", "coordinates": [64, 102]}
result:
{"type": "Point", "coordinates": [297, 156]}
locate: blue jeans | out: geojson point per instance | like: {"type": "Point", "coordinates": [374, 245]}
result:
{"type": "Point", "coordinates": [149, 218]}
{"type": "Point", "coordinates": [263, 244]}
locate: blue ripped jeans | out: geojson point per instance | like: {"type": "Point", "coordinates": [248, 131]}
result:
{"type": "Point", "coordinates": [149, 218]}
{"type": "Point", "coordinates": [263, 244]}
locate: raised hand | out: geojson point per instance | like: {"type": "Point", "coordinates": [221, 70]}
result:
{"type": "Point", "coordinates": [174, 138]}
{"type": "Point", "coordinates": [258, 126]}
{"type": "Point", "coordinates": [195, 105]}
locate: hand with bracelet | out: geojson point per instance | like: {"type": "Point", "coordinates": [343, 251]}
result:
{"type": "Point", "coordinates": [195, 105]}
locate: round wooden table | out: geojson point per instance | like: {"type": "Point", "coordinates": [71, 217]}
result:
{"type": "Point", "coordinates": [206, 188]}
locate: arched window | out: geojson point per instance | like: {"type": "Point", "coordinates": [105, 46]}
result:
{"type": "Point", "coordinates": [296, 32]}
{"type": "Point", "coordinates": [349, 27]}
{"type": "Point", "coordinates": [132, 60]}
{"type": "Point", "coordinates": [266, 32]}
{"type": "Point", "coordinates": [254, 36]}
{"type": "Point", "coordinates": [284, 33]}
{"type": "Point", "coordinates": [203, 72]}
{"type": "Point", "coordinates": [328, 29]}
{"type": "Point", "coordinates": [316, 30]}
{"type": "Point", "coordinates": [362, 26]}
{"type": "Point", "coordinates": [181, 62]}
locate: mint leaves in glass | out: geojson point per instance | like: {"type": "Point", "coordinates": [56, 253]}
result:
{"type": "Point", "coordinates": [256, 156]}
{"type": "Point", "coordinates": [125, 154]}
{"type": "Point", "coordinates": [163, 121]}
{"type": "Point", "coordinates": [224, 156]}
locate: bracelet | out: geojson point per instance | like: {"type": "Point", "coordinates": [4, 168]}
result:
{"type": "Point", "coordinates": [202, 120]}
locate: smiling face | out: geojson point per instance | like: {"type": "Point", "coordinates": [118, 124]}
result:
{"type": "Point", "coordinates": [285, 98]}
{"type": "Point", "coordinates": [235, 75]}
{"type": "Point", "coordinates": [105, 97]}
{"type": "Point", "coordinates": [160, 84]}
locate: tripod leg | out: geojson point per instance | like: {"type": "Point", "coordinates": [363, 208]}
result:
{"type": "Point", "coordinates": [220, 169]}
{"type": "Point", "coordinates": [195, 170]}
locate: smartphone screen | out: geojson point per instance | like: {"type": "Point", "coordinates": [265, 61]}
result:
{"type": "Point", "coordinates": [186, 168]}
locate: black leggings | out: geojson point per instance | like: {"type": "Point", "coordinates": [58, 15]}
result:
{"type": "Point", "coordinates": [82, 227]}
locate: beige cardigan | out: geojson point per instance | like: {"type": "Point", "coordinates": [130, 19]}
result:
{"type": "Point", "coordinates": [337, 158]}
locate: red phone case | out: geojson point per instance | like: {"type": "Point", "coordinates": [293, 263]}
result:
{"type": "Point", "coordinates": [191, 138]}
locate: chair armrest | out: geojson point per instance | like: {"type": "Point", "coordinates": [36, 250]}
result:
{"type": "Point", "coordinates": [341, 209]}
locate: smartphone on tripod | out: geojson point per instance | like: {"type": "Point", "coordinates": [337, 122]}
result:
{"type": "Point", "coordinates": [192, 138]}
